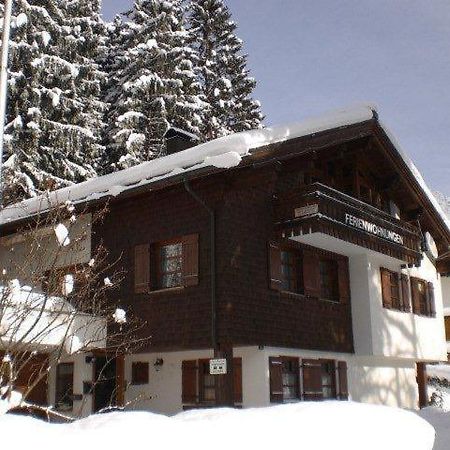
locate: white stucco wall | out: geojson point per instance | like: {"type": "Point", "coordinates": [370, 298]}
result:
{"type": "Point", "coordinates": [445, 284]}
{"type": "Point", "coordinates": [406, 335]}
{"type": "Point", "coordinates": [82, 372]}
{"type": "Point", "coordinates": [379, 380]}
{"type": "Point", "coordinates": [163, 392]}
{"type": "Point", "coordinates": [376, 330]}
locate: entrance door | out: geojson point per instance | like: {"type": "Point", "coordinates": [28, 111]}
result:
{"type": "Point", "coordinates": [104, 383]}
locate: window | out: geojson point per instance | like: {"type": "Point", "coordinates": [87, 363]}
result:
{"type": "Point", "coordinates": [170, 265]}
{"type": "Point", "coordinates": [395, 290]}
{"type": "Point", "coordinates": [310, 272]}
{"type": "Point", "coordinates": [290, 376]}
{"type": "Point", "coordinates": [207, 383]}
{"type": "Point", "coordinates": [329, 282]}
{"type": "Point", "coordinates": [423, 297]}
{"type": "Point", "coordinates": [139, 373]}
{"type": "Point", "coordinates": [64, 387]}
{"type": "Point", "coordinates": [292, 271]}
{"type": "Point", "coordinates": [199, 387]}
{"type": "Point", "coordinates": [328, 379]}
{"type": "Point", "coordinates": [166, 264]}
{"type": "Point", "coordinates": [307, 379]}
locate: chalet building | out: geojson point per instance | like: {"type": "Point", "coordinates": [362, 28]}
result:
{"type": "Point", "coordinates": [310, 258]}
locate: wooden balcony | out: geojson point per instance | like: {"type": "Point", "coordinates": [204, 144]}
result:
{"type": "Point", "coordinates": [321, 209]}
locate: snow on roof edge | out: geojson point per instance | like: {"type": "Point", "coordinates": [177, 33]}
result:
{"type": "Point", "coordinates": [417, 175]}
{"type": "Point", "coordinates": [224, 152]}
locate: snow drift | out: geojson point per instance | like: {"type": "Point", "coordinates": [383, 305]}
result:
{"type": "Point", "coordinates": [321, 425]}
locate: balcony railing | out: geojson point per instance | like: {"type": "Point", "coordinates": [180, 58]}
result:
{"type": "Point", "coordinates": [319, 208]}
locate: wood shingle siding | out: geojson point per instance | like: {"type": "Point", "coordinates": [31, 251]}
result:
{"type": "Point", "coordinates": [142, 268]}
{"type": "Point", "coordinates": [251, 309]}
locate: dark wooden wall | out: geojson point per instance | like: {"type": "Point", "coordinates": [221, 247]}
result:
{"type": "Point", "coordinates": [249, 313]}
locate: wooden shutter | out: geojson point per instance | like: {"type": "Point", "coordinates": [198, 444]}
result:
{"type": "Point", "coordinates": [430, 300]}
{"type": "Point", "coordinates": [141, 268]}
{"type": "Point", "coordinates": [311, 273]}
{"type": "Point", "coordinates": [189, 370]}
{"type": "Point", "coordinates": [139, 372]}
{"type": "Point", "coordinates": [342, 383]}
{"type": "Point", "coordinates": [415, 295]}
{"type": "Point", "coordinates": [237, 379]}
{"type": "Point", "coordinates": [405, 293]}
{"type": "Point", "coordinates": [386, 287]}
{"type": "Point", "coordinates": [275, 275]}
{"type": "Point", "coordinates": [276, 379]}
{"type": "Point", "coordinates": [312, 379]}
{"type": "Point", "coordinates": [344, 281]}
{"type": "Point", "coordinates": [190, 260]}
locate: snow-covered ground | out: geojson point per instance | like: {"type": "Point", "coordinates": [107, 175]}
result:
{"type": "Point", "coordinates": [441, 422]}
{"type": "Point", "coordinates": [310, 425]}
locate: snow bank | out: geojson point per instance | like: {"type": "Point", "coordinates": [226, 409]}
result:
{"type": "Point", "coordinates": [224, 152]}
{"type": "Point", "coordinates": [322, 425]}
{"type": "Point", "coordinates": [441, 422]}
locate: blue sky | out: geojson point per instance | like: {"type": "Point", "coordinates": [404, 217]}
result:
{"type": "Point", "coordinates": [310, 56]}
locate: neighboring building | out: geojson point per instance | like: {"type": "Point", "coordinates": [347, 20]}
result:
{"type": "Point", "coordinates": [446, 301]}
{"type": "Point", "coordinates": [295, 253]}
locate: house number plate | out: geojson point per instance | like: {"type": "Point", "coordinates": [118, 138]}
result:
{"type": "Point", "coordinates": [217, 366]}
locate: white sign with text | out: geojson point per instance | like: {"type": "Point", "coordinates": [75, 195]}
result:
{"type": "Point", "coordinates": [217, 366]}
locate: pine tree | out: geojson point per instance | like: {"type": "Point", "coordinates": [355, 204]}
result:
{"type": "Point", "coordinates": [54, 116]}
{"type": "Point", "coordinates": [153, 82]}
{"type": "Point", "coordinates": [223, 71]}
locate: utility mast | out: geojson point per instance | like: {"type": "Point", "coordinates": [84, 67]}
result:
{"type": "Point", "coordinates": [4, 84]}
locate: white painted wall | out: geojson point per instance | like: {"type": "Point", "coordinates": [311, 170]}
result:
{"type": "Point", "coordinates": [376, 330]}
{"type": "Point", "coordinates": [163, 392]}
{"type": "Point", "coordinates": [445, 283]}
{"type": "Point", "coordinates": [379, 380]}
{"type": "Point", "coordinates": [407, 335]}
{"type": "Point", "coordinates": [82, 372]}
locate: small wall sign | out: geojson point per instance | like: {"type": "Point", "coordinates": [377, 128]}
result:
{"type": "Point", "coordinates": [217, 366]}
{"type": "Point", "coordinates": [307, 210]}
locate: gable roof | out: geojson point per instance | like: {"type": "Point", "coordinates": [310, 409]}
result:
{"type": "Point", "coordinates": [223, 153]}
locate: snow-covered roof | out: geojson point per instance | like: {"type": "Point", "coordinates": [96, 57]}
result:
{"type": "Point", "coordinates": [224, 152]}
